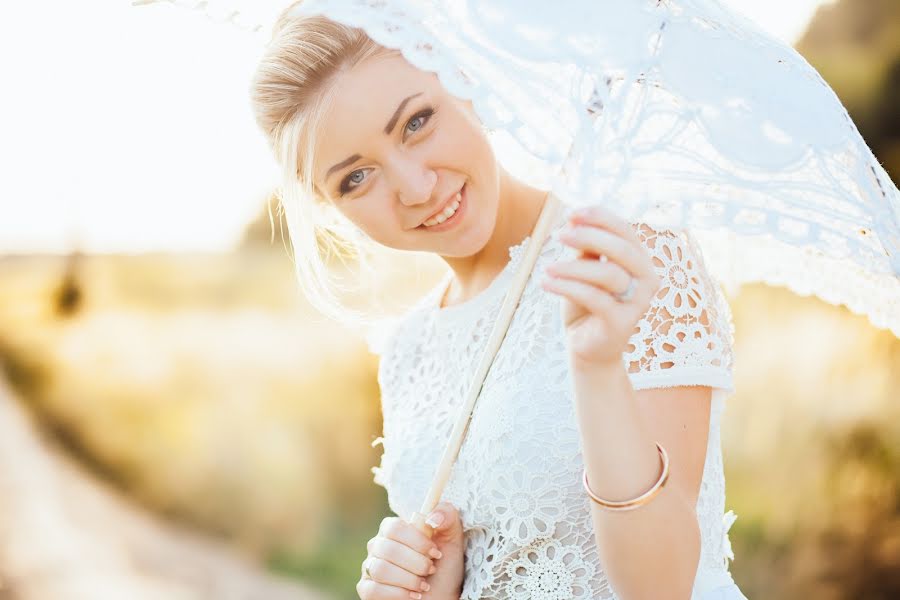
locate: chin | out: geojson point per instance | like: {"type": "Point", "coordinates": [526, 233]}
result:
{"type": "Point", "coordinates": [476, 243]}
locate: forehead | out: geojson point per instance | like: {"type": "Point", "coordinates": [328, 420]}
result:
{"type": "Point", "coordinates": [364, 99]}
{"type": "Point", "coordinates": [381, 77]}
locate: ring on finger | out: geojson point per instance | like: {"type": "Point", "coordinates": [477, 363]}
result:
{"type": "Point", "coordinates": [625, 296]}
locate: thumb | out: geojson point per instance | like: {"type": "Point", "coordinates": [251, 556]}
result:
{"type": "Point", "coordinates": [446, 522]}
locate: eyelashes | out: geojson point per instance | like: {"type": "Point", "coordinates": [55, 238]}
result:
{"type": "Point", "coordinates": [426, 114]}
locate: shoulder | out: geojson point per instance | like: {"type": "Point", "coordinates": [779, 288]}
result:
{"type": "Point", "coordinates": [380, 333]}
{"type": "Point", "coordinates": [382, 339]}
{"type": "Point", "coordinates": [393, 339]}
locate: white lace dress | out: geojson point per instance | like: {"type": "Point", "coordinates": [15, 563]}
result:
{"type": "Point", "coordinates": [517, 480]}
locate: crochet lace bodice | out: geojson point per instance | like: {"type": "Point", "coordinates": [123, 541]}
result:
{"type": "Point", "coordinates": [517, 479]}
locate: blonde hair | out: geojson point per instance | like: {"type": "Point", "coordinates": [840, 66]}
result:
{"type": "Point", "coordinates": [291, 89]}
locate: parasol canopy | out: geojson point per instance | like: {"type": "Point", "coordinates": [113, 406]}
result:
{"type": "Point", "coordinates": [677, 113]}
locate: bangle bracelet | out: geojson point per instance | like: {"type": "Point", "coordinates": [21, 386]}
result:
{"type": "Point", "coordinates": [640, 500]}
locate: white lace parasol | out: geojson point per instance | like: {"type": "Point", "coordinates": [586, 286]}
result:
{"type": "Point", "coordinates": [679, 113]}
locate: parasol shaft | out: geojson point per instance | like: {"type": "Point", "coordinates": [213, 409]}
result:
{"type": "Point", "coordinates": [539, 233]}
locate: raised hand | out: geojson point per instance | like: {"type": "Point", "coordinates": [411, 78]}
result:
{"type": "Point", "coordinates": [608, 287]}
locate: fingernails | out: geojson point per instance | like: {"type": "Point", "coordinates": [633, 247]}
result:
{"type": "Point", "coordinates": [432, 569]}
{"type": "Point", "coordinates": [435, 553]}
{"type": "Point", "coordinates": [435, 519]}
{"type": "Point", "coordinates": [415, 595]}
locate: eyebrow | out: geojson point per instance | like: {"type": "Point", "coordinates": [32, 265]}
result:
{"type": "Point", "coordinates": [387, 131]}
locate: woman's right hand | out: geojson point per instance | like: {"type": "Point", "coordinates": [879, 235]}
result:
{"type": "Point", "coordinates": [402, 564]}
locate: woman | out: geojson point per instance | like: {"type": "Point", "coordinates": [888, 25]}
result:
{"type": "Point", "coordinates": [616, 395]}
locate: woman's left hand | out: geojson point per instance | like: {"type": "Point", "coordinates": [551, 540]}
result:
{"type": "Point", "coordinates": [598, 324]}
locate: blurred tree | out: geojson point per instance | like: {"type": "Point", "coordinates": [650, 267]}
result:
{"type": "Point", "coordinates": [69, 294]}
{"type": "Point", "coordinates": [855, 45]}
{"type": "Point", "coordinates": [862, 549]}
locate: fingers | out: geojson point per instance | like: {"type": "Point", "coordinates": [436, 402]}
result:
{"type": "Point", "coordinates": [629, 252]}
{"type": "Point", "coordinates": [607, 275]}
{"type": "Point", "coordinates": [401, 555]}
{"type": "Point", "coordinates": [369, 589]}
{"type": "Point", "coordinates": [582, 293]}
{"type": "Point", "coordinates": [390, 575]}
{"type": "Point", "coordinates": [599, 216]}
{"type": "Point", "coordinates": [397, 529]}
{"type": "Point", "coordinates": [594, 240]}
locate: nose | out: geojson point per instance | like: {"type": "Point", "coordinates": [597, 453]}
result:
{"type": "Point", "coordinates": [415, 184]}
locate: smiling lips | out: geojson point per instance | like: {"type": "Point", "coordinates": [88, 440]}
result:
{"type": "Point", "coordinates": [449, 209]}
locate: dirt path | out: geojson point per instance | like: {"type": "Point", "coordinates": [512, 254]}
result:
{"type": "Point", "coordinates": [66, 536]}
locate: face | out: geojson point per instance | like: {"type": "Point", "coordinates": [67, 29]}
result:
{"type": "Point", "coordinates": [394, 149]}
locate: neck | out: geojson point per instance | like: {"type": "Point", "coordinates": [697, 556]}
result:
{"type": "Point", "coordinates": [518, 209]}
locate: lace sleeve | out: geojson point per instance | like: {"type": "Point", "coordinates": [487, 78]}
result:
{"type": "Point", "coordinates": [685, 338]}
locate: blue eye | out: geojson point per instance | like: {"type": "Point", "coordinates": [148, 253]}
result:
{"type": "Point", "coordinates": [349, 179]}
{"type": "Point", "coordinates": [425, 115]}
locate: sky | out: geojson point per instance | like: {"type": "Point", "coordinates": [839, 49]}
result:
{"type": "Point", "coordinates": [127, 129]}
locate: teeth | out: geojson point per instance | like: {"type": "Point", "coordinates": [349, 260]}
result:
{"type": "Point", "coordinates": [446, 213]}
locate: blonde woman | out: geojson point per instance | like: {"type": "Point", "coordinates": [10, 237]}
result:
{"type": "Point", "coordinates": [608, 387]}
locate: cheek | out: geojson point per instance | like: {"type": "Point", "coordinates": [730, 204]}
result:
{"type": "Point", "coordinates": [464, 154]}
{"type": "Point", "coordinates": [459, 129]}
{"type": "Point", "coordinates": [376, 216]}
{"type": "Point", "coordinates": [462, 141]}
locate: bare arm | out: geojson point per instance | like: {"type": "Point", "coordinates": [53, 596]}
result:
{"type": "Point", "coordinates": [653, 551]}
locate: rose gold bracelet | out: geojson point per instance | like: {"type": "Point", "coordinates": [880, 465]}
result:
{"type": "Point", "coordinates": [640, 500]}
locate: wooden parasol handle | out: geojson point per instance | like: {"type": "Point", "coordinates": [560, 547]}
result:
{"type": "Point", "coordinates": [539, 233]}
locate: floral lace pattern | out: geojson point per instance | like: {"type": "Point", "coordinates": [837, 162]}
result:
{"type": "Point", "coordinates": [516, 481]}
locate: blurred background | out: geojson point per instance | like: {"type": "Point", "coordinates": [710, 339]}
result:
{"type": "Point", "coordinates": [176, 422]}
